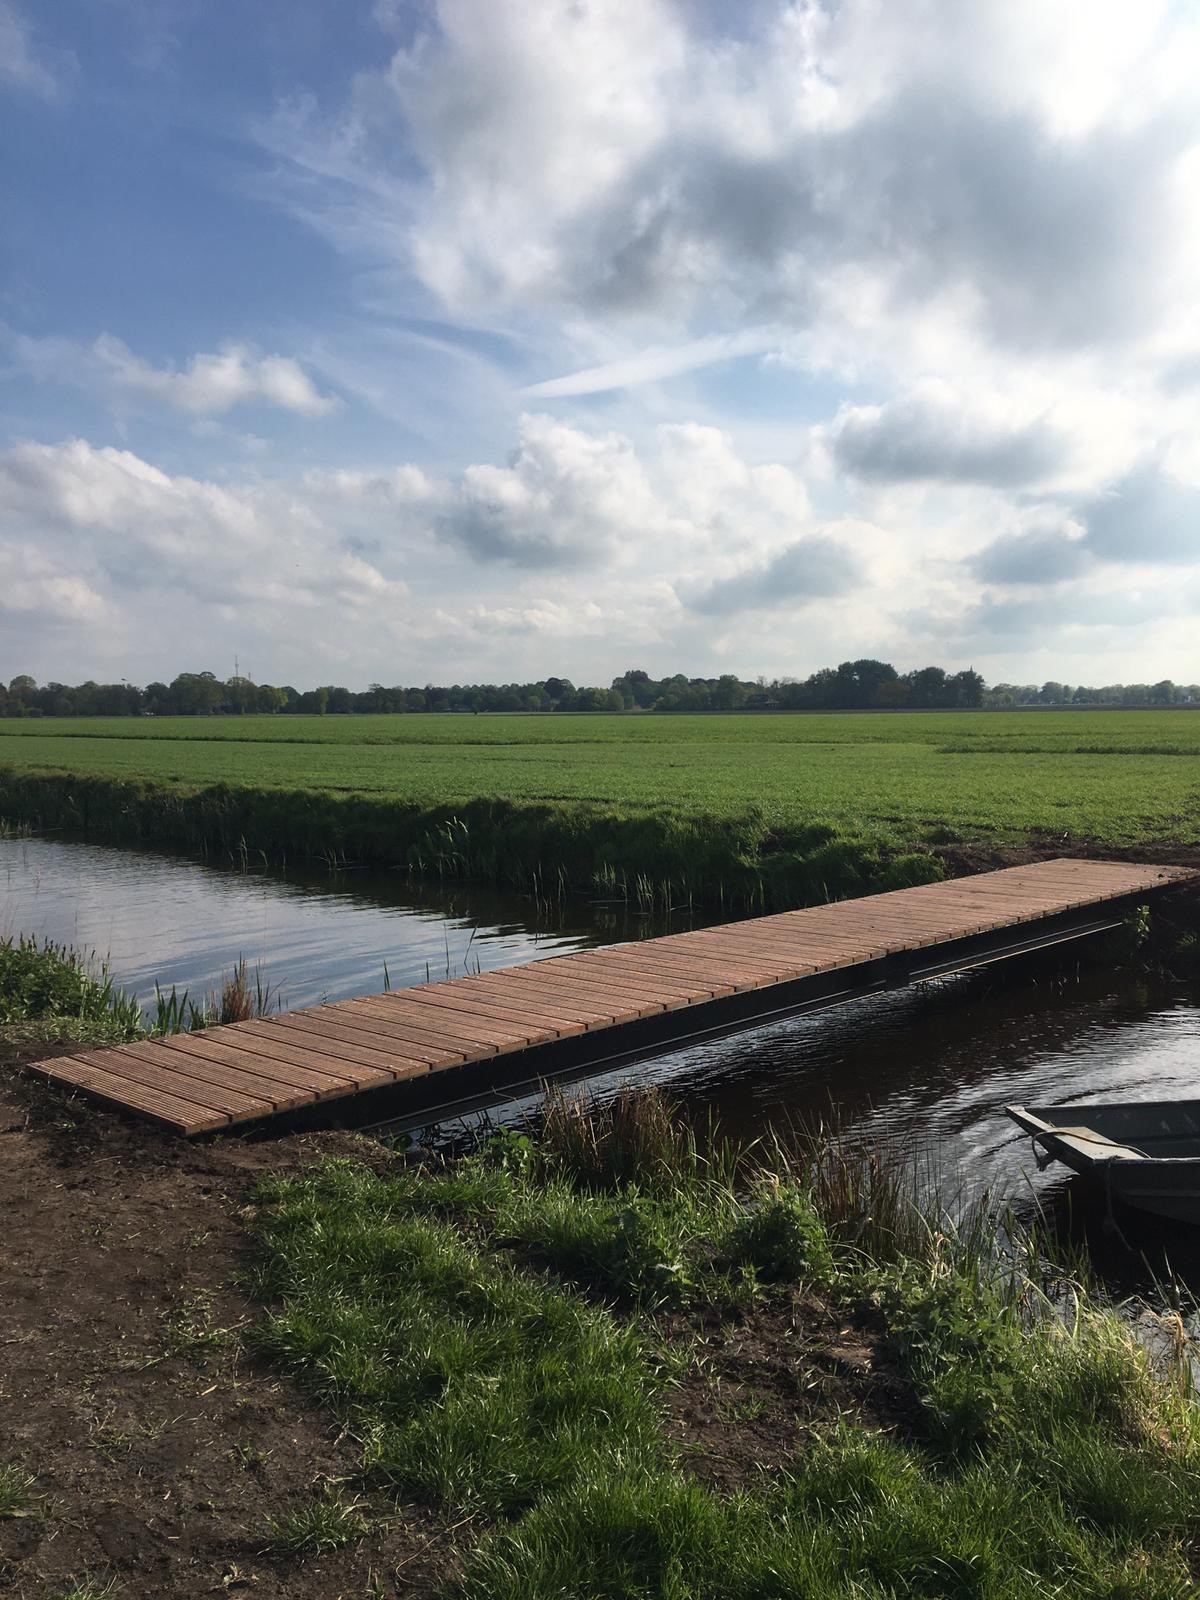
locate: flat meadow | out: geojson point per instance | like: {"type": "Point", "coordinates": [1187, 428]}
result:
{"type": "Point", "coordinates": [902, 780]}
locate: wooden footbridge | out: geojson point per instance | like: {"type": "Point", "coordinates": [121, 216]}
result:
{"type": "Point", "coordinates": [601, 1008]}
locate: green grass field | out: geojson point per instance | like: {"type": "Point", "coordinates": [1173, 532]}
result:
{"type": "Point", "coordinates": [1122, 778]}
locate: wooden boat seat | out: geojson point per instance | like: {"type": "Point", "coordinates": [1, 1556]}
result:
{"type": "Point", "coordinates": [1098, 1145]}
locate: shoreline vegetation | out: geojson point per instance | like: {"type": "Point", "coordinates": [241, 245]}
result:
{"type": "Point", "coordinates": [737, 813]}
{"type": "Point", "coordinates": [655, 859]}
{"type": "Point", "coordinates": [53, 992]}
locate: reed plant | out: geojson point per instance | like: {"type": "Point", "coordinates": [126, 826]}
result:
{"type": "Point", "coordinates": [656, 857]}
{"type": "Point", "coordinates": [239, 999]}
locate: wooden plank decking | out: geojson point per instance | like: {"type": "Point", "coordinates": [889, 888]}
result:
{"type": "Point", "coordinates": [552, 1010]}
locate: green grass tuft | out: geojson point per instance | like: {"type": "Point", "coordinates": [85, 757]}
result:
{"type": "Point", "coordinates": [327, 1520]}
{"type": "Point", "coordinates": [41, 981]}
{"type": "Point", "coordinates": [16, 1492]}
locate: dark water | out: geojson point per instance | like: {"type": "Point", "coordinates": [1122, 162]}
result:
{"type": "Point", "coordinates": [926, 1069]}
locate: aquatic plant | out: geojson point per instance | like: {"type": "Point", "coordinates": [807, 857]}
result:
{"type": "Point", "coordinates": [42, 981]}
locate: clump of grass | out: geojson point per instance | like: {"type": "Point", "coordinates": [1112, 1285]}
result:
{"type": "Point", "coordinates": [41, 981]}
{"type": "Point", "coordinates": [16, 1492]}
{"type": "Point", "coordinates": [781, 1237]}
{"type": "Point", "coordinates": [237, 1001]}
{"type": "Point", "coordinates": [472, 1383]}
{"type": "Point", "coordinates": [327, 1520]}
{"type": "Point", "coordinates": [15, 830]}
{"type": "Point", "coordinates": [634, 1137]}
{"type": "Point", "coordinates": [866, 1197]}
{"type": "Point", "coordinates": [87, 1589]}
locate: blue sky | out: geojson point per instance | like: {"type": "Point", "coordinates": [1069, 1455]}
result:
{"type": "Point", "coordinates": [436, 341]}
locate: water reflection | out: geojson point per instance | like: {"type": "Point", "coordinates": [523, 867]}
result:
{"type": "Point", "coordinates": [315, 936]}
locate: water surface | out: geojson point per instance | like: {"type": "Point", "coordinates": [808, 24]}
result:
{"type": "Point", "coordinates": [926, 1070]}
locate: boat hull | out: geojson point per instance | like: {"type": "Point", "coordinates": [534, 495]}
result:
{"type": "Point", "coordinates": [1145, 1154]}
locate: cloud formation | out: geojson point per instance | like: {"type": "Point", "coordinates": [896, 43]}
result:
{"type": "Point", "coordinates": [624, 161]}
{"type": "Point", "coordinates": [211, 384]}
{"type": "Point", "coordinates": [1149, 515]}
{"type": "Point", "coordinates": [934, 435]}
{"type": "Point", "coordinates": [813, 568]}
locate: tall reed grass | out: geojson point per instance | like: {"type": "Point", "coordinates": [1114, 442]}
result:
{"type": "Point", "coordinates": [651, 857]}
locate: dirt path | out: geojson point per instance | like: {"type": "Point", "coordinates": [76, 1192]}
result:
{"type": "Point", "coordinates": [160, 1447]}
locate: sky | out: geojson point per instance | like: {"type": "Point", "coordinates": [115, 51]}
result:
{"type": "Point", "coordinates": [455, 341]}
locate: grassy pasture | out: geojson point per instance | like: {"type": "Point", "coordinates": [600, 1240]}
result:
{"type": "Point", "coordinates": [897, 781]}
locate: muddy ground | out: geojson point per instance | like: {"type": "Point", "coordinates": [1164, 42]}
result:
{"type": "Point", "coordinates": [160, 1446]}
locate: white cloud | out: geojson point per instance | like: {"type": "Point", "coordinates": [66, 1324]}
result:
{"type": "Point", "coordinates": [651, 366]}
{"type": "Point", "coordinates": [585, 552]}
{"type": "Point", "coordinates": [621, 161]}
{"type": "Point", "coordinates": [937, 434]}
{"type": "Point", "coordinates": [21, 63]}
{"type": "Point", "coordinates": [210, 385]}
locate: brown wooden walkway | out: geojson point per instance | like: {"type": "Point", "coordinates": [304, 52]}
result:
{"type": "Point", "coordinates": [634, 994]}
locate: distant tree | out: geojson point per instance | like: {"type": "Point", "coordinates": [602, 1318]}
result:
{"type": "Point", "coordinates": [857, 683]}
{"type": "Point", "coordinates": [196, 694]}
{"type": "Point", "coordinates": [965, 689]}
{"type": "Point", "coordinates": [928, 686]}
{"type": "Point", "coordinates": [270, 699]}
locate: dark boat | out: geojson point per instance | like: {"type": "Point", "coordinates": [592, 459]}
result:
{"type": "Point", "coordinates": [1147, 1152]}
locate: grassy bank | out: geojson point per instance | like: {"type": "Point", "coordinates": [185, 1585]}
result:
{"type": "Point", "coordinates": [547, 849]}
{"type": "Point", "coordinates": [630, 1370]}
{"type": "Point", "coordinates": [739, 810]}
{"type": "Point", "coordinates": [53, 992]}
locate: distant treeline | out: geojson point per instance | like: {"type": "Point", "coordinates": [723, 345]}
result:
{"type": "Point", "coordinates": [853, 686]}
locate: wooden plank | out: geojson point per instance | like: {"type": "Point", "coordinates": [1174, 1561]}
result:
{"type": "Point", "coordinates": [585, 1000]}
{"type": "Point", "coordinates": [209, 1068]}
{"type": "Point", "coordinates": [540, 1024]}
{"type": "Point", "coordinates": [660, 996]}
{"type": "Point", "coordinates": [300, 1045]}
{"type": "Point", "coordinates": [712, 978]}
{"type": "Point", "coordinates": [167, 1080]}
{"type": "Point", "coordinates": [317, 1085]}
{"type": "Point", "coordinates": [598, 993]}
{"type": "Point", "coordinates": [422, 1022]}
{"type": "Point", "coordinates": [113, 1089]}
{"type": "Point", "coordinates": [449, 1011]}
{"type": "Point", "coordinates": [538, 1005]}
{"type": "Point", "coordinates": [314, 1032]}
{"type": "Point", "coordinates": [582, 968]}
{"type": "Point", "coordinates": [628, 986]}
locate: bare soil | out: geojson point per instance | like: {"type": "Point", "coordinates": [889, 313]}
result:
{"type": "Point", "coordinates": [758, 1386]}
{"type": "Point", "coordinates": [159, 1445]}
